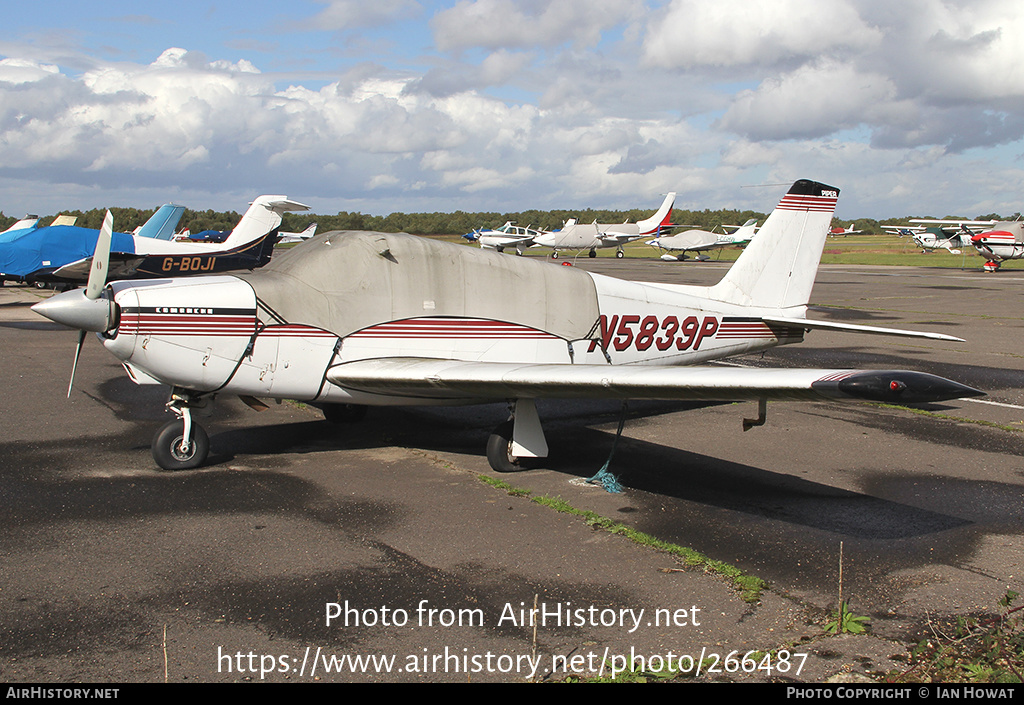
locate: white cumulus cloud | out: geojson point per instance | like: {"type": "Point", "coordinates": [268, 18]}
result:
{"type": "Point", "coordinates": [696, 33]}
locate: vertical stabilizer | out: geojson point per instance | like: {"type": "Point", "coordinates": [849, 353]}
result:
{"type": "Point", "coordinates": [263, 216]}
{"type": "Point", "coordinates": [161, 224]}
{"type": "Point", "coordinates": [652, 225]}
{"type": "Point", "coordinates": [777, 268]}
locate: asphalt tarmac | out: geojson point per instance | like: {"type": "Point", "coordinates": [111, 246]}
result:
{"type": "Point", "coordinates": [112, 570]}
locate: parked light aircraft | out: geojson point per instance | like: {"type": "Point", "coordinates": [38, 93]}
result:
{"type": "Point", "coordinates": [309, 232]}
{"type": "Point", "coordinates": [994, 240]}
{"type": "Point", "coordinates": [929, 235]}
{"type": "Point", "coordinates": [31, 253]}
{"type": "Point", "coordinates": [508, 235]}
{"type": "Point", "coordinates": [935, 238]}
{"type": "Point", "coordinates": [844, 231]}
{"type": "Point", "coordinates": [348, 319]}
{"type": "Point", "coordinates": [579, 237]}
{"type": "Point", "coordinates": [63, 254]}
{"type": "Point", "coordinates": [1001, 242]}
{"type": "Point", "coordinates": [701, 241]}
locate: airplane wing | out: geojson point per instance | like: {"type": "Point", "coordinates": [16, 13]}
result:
{"type": "Point", "coordinates": [902, 229]}
{"type": "Point", "coordinates": [618, 237]}
{"type": "Point", "coordinates": [507, 240]}
{"type": "Point", "coordinates": [454, 379]}
{"type": "Point", "coordinates": [954, 223]}
{"type": "Point", "coordinates": [122, 265]}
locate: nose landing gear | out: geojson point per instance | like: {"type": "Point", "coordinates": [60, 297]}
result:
{"type": "Point", "coordinates": [181, 444]}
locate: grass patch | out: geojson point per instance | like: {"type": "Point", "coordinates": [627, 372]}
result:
{"type": "Point", "coordinates": [946, 417]}
{"type": "Point", "coordinates": [502, 485]}
{"type": "Point", "coordinates": [749, 586]}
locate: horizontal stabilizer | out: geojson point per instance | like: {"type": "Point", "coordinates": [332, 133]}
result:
{"type": "Point", "coordinates": [830, 325]}
{"type": "Point", "coordinates": [453, 379]}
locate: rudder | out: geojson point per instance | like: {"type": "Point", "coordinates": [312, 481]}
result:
{"type": "Point", "coordinates": [777, 268]}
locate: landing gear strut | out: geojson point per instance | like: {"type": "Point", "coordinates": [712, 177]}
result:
{"type": "Point", "coordinates": [181, 444]}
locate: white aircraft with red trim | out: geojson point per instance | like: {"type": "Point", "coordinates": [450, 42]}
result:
{"type": "Point", "coordinates": [348, 320]}
{"type": "Point", "coordinates": [579, 237]}
{"type": "Point", "coordinates": [837, 231]}
{"type": "Point", "coordinates": [996, 241]}
{"type": "Point", "coordinates": [1002, 241]}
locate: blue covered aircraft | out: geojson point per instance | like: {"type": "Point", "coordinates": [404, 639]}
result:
{"type": "Point", "coordinates": [63, 253]}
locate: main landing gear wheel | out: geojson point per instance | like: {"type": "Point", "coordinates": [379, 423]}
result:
{"type": "Point", "coordinates": [554, 255]}
{"type": "Point", "coordinates": [593, 253]}
{"type": "Point", "coordinates": [167, 447]}
{"type": "Point", "coordinates": [619, 254]}
{"type": "Point", "coordinates": [499, 450]}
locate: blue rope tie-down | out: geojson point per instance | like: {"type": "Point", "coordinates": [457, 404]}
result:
{"type": "Point", "coordinates": [603, 477]}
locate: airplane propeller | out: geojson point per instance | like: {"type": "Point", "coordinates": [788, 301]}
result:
{"type": "Point", "coordinates": [86, 310]}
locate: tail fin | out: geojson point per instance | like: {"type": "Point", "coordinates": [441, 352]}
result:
{"type": "Point", "coordinates": [263, 216]}
{"type": "Point", "coordinates": [745, 231]}
{"type": "Point", "coordinates": [650, 226]}
{"type": "Point", "coordinates": [161, 224]}
{"type": "Point", "coordinates": [777, 268]}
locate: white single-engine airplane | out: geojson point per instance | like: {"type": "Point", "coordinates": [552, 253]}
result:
{"type": "Point", "coordinates": [951, 235]}
{"type": "Point", "coordinates": [579, 237]}
{"type": "Point", "coordinates": [701, 241]}
{"type": "Point", "coordinates": [994, 240]}
{"type": "Point", "coordinates": [353, 319]}
{"type": "Point", "coordinates": [1002, 241]}
{"type": "Point", "coordinates": [837, 231]}
{"type": "Point", "coordinates": [508, 235]}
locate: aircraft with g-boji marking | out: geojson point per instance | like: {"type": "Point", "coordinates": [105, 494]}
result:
{"type": "Point", "coordinates": [63, 254]}
{"type": "Point", "coordinates": [348, 320]}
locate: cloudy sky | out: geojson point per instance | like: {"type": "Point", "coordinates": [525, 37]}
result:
{"type": "Point", "coordinates": [910, 107]}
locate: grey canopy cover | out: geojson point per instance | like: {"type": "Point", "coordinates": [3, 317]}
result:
{"type": "Point", "coordinates": [344, 281]}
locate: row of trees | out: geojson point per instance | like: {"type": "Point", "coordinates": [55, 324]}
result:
{"type": "Point", "coordinates": [457, 223]}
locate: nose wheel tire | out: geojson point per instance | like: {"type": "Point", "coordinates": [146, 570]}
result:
{"type": "Point", "coordinates": [499, 450]}
{"type": "Point", "coordinates": [167, 450]}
